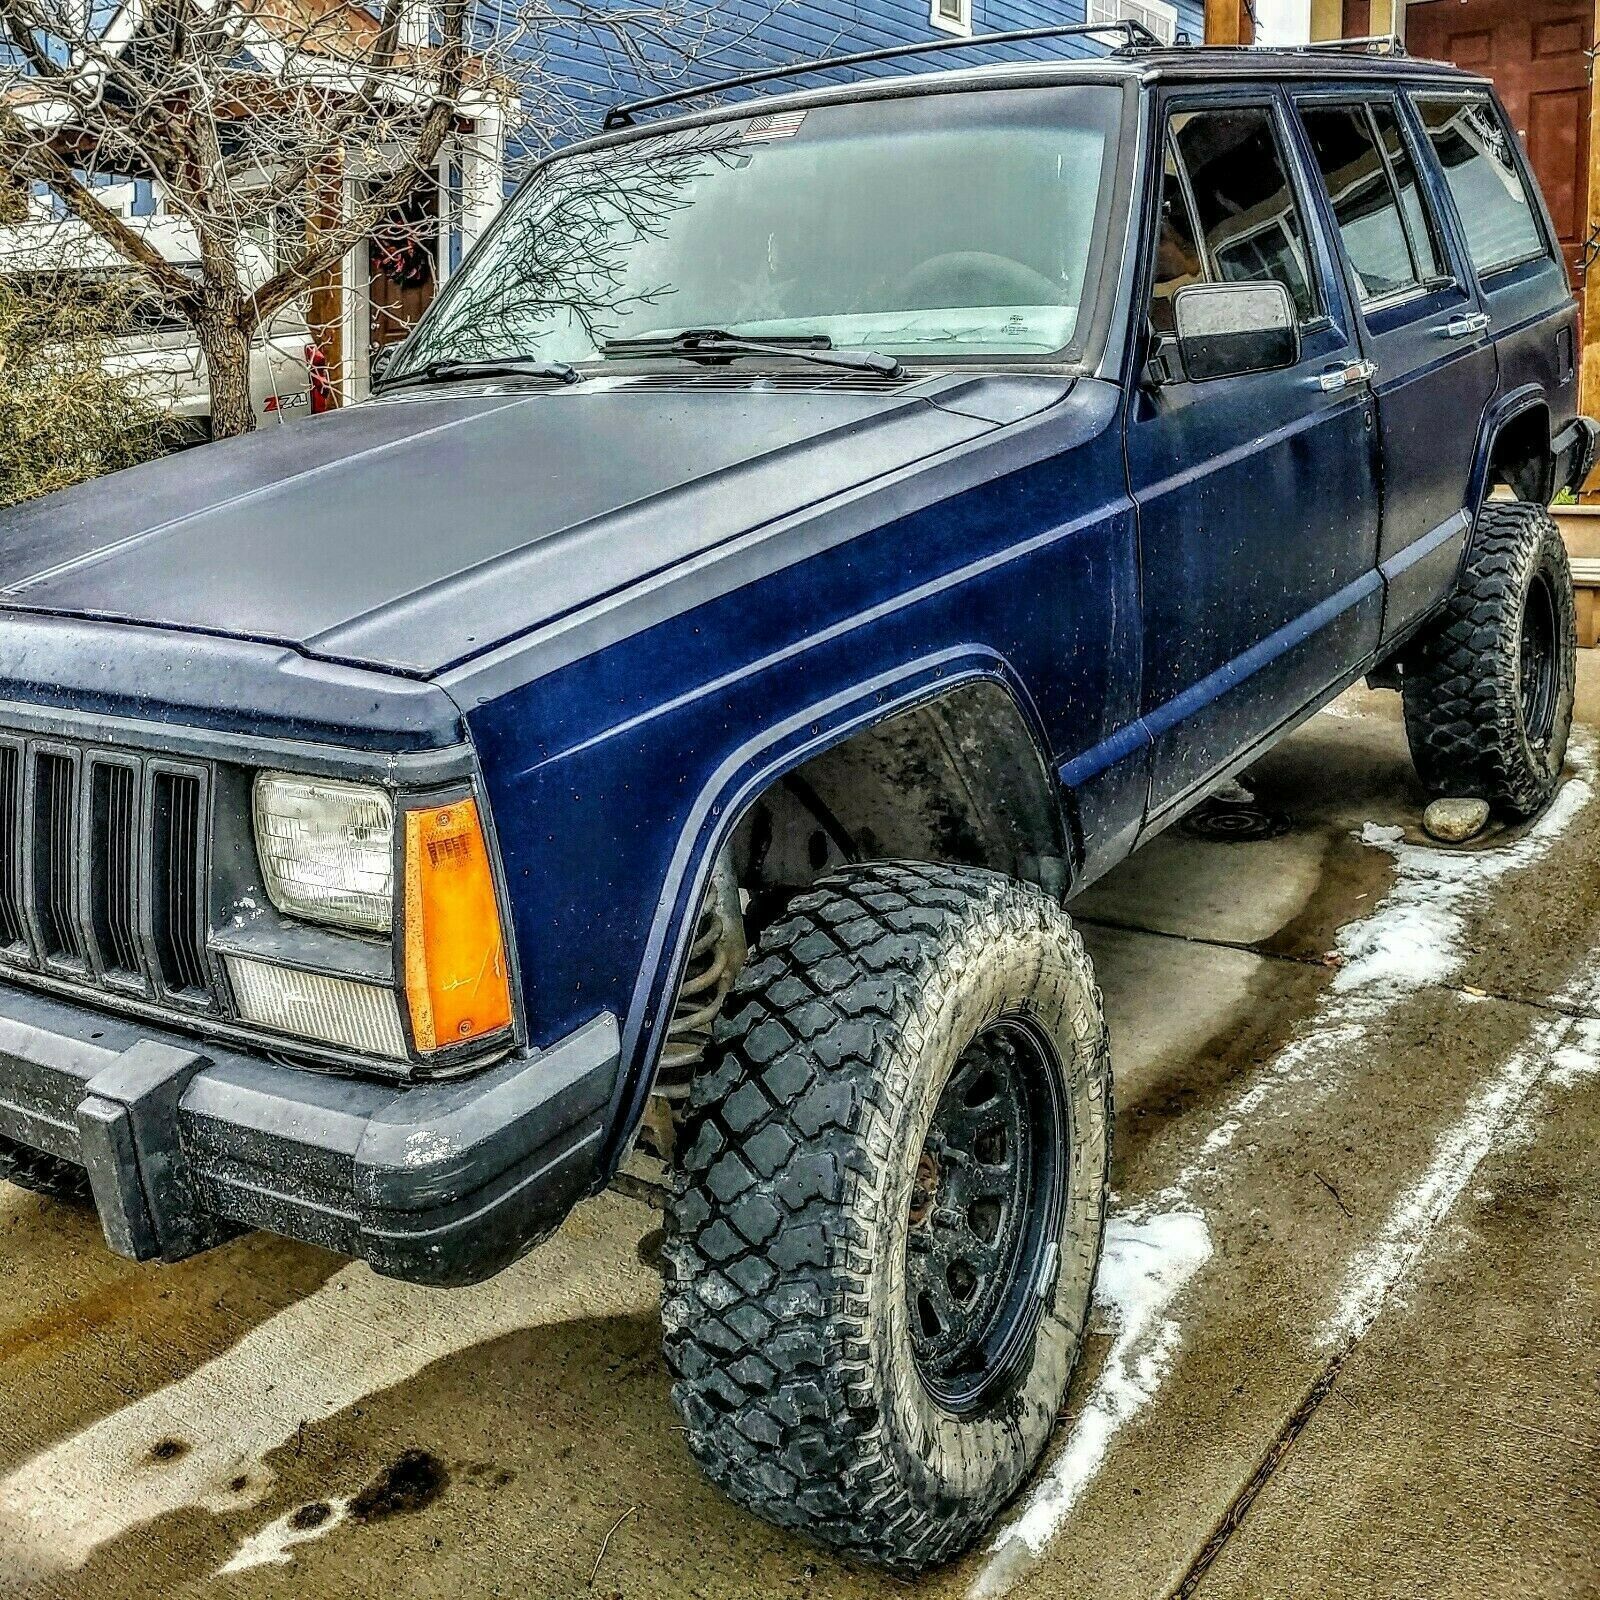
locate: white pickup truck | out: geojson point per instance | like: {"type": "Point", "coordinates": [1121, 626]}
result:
{"type": "Point", "coordinates": [151, 343]}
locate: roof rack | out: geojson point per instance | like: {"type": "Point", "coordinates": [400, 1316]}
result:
{"type": "Point", "coordinates": [1372, 44]}
{"type": "Point", "coordinates": [1135, 36]}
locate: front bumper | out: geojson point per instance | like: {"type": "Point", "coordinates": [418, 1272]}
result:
{"type": "Point", "coordinates": [186, 1144]}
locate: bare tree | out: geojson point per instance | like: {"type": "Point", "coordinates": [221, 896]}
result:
{"type": "Point", "coordinates": [326, 116]}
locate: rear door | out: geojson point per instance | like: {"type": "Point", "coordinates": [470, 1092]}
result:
{"type": "Point", "coordinates": [1257, 495]}
{"type": "Point", "coordinates": [1422, 327]}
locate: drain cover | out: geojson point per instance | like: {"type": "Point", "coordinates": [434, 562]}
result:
{"type": "Point", "coordinates": [1233, 822]}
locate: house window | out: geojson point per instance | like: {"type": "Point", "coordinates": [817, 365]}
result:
{"type": "Point", "coordinates": [952, 16]}
{"type": "Point", "coordinates": [1160, 17]}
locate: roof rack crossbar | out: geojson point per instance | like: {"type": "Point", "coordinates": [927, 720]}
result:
{"type": "Point", "coordinates": [1135, 36]}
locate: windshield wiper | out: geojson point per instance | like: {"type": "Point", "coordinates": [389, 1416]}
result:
{"type": "Point", "coordinates": [448, 371]}
{"type": "Point", "coordinates": [710, 343]}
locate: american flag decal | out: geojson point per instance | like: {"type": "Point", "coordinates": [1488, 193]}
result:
{"type": "Point", "coordinates": [774, 125]}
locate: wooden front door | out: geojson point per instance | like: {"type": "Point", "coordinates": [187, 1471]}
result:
{"type": "Point", "coordinates": [1535, 50]}
{"type": "Point", "coordinates": [403, 255]}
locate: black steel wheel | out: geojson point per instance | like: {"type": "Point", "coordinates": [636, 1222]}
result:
{"type": "Point", "coordinates": [882, 1242]}
{"type": "Point", "coordinates": [984, 1214]}
{"type": "Point", "coordinates": [1539, 669]}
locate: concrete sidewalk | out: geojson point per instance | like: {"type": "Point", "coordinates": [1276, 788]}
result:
{"type": "Point", "coordinates": [1348, 1338]}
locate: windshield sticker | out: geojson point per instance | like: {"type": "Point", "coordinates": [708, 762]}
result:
{"type": "Point", "coordinates": [774, 125]}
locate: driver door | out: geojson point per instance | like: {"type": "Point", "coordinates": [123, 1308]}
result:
{"type": "Point", "coordinates": [1257, 495]}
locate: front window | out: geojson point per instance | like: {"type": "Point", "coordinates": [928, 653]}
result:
{"type": "Point", "coordinates": [945, 225]}
{"type": "Point", "coordinates": [1230, 212]}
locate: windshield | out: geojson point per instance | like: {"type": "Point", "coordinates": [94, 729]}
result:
{"type": "Point", "coordinates": [960, 224]}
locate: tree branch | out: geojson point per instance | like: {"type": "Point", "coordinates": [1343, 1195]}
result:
{"type": "Point", "coordinates": [39, 160]}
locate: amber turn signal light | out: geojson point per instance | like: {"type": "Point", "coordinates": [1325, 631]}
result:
{"type": "Point", "coordinates": [455, 955]}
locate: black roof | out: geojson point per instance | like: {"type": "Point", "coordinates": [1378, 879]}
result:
{"type": "Point", "coordinates": [1145, 64]}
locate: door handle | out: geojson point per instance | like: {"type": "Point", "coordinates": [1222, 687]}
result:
{"type": "Point", "coordinates": [1467, 327]}
{"type": "Point", "coordinates": [1348, 375]}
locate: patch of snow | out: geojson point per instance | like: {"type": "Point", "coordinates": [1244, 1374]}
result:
{"type": "Point", "coordinates": [271, 1546]}
{"type": "Point", "coordinates": [1147, 1261]}
{"type": "Point", "coordinates": [1410, 940]}
{"type": "Point", "coordinates": [1413, 939]}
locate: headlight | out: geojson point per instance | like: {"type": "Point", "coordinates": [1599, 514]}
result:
{"type": "Point", "coordinates": [327, 850]}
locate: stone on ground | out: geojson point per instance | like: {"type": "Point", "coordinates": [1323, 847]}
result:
{"type": "Point", "coordinates": [1456, 821]}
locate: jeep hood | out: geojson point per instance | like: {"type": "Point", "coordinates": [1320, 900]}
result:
{"type": "Point", "coordinates": [415, 531]}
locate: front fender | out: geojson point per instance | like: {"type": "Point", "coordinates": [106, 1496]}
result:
{"type": "Point", "coordinates": [617, 750]}
{"type": "Point", "coordinates": [748, 772]}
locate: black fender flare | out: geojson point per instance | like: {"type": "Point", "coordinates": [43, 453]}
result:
{"type": "Point", "coordinates": [743, 775]}
{"type": "Point", "coordinates": [1507, 410]}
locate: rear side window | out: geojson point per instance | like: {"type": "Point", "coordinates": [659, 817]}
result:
{"type": "Point", "coordinates": [1390, 252]}
{"type": "Point", "coordinates": [1421, 225]}
{"type": "Point", "coordinates": [1250, 226]}
{"type": "Point", "coordinates": [1474, 148]}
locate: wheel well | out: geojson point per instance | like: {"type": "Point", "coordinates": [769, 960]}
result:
{"type": "Point", "coordinates": [957, 780]}
{"type": "Point", "coordinates": [1521, 458]}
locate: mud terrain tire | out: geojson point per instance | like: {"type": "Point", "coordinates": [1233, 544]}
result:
{"type": "Point", "coordinates": [42, 1173]}
{"type": "Point", "coordinates": [813, 1307]}
{"type": "Point", "coordinates": [1489, 687]}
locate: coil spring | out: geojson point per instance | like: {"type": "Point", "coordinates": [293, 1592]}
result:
{"type": "Point", "coordinates": [714, 959]}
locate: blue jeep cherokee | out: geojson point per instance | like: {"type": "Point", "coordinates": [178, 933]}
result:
{"type": "Point", "coordinates": [810, 540]}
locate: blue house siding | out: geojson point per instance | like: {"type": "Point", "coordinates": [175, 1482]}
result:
{"type": "Point", "coordinates": [583, 65]}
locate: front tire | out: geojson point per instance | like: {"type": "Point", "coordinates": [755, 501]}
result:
{"type": "Point", "coordinates": [1489, 687]}
{"type": "Point", "coordinates": [883, 1239]}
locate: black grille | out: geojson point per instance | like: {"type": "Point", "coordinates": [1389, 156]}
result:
{"type": "Point", "coordinates": [13, 931]}
{"type": "Point", "coordinates": [175, 837]}
{"type": "Point", "coordinates": [55, 856]}
{"type": "Point", "coordinates": [103, 859]}
{"type": "Point", "coordinates": [114, 868]}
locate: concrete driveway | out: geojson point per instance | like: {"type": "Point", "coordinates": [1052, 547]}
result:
{"type": "Point", "coordinates": [1348, 1339]}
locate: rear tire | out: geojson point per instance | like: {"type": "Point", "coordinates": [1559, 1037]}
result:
{"type": "Point", "coordinates": [41, 1173]}
{"type": "Point", "coordinates": [1489, 688]}
{"type": "Point", "coordinates": [884, 1235]}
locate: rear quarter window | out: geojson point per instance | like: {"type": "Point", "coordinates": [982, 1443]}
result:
{"type": "Point", "coordinates": [1473, 144]}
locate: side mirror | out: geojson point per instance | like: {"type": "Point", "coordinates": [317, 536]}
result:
{"type": "Point", "coordinates": [378, 363]}
{"type": "Point", "coordinates": [1225, 330]}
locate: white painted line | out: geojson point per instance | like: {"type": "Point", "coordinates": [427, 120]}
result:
{"type": "Point", "coordinates": [1490, 1116]}
{"type": "Point", "coordinates": [272, 1545]}
{"type": "Point", "coordinates": [1579, 1057]}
